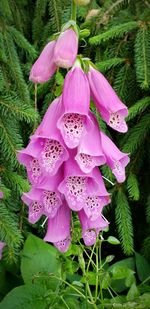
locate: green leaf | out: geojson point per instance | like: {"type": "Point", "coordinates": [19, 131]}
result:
{"type": "Point", "coordinates": [110, 258]}
{"type": "Point", "coordinates": [105, 65]}
{"type": "Point", "coordinates": [59, 78]}
{"type": "Point", "coordinates": [106, 280]}
{"type": "Point", "coordinates": [120, 272]}
{"type": "Point", "coordinates": [133, 292]}
{"type": "Point", "coordinates": [133, 187]}
{"type": "Point", "coordinates": [138, 108]}
{"type": "Point", "coordinates": [114, 32]}
{"type": "Point", "coordinates": [25, 297]}
{"type": "Point", "coordinates": [137, 134]}
{"type": "Point", "coordinates": [119, 285]}
{"type": "Point", "coordinates": [143, 267]}
{"type": "Point", "coordinates": [39, 259]}
{"type": "Point", "coordinates": [142, 57]}
{"type": "Point", "coordinates": [124, 222]}
{"type": "Point", "coordinates": [113, 240]}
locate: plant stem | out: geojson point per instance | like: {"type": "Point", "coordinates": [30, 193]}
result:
{"type": "Point", "coordinates": [73, 11]}
{"type": "Point", "coordinates": [100, 261]}
{"type": "Point", "coordinates": [97, 269]}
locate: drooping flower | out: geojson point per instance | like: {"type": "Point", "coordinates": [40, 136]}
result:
{"type": "Point", "coordinates": [66, 48]}
{"type": "Point", "coordinates": [46, 150]}
{"type": "Point", "coordinates": [2, 245]}
{"type": "Point", "coordinates": [91, 229]}
{"type": "Point", "coordinates": [89, 152]}
{"type": "Point", "coordinates": [95, 202]}
{"type": "Point", "coordinates": [75, 120]}
{"type": "Point", "coordinates": [115, 159]}
{"type": "Point", "coordinates": [44, 199]}
{"type": "Point", "coordinates": [112, 110]}
{"type": "Point", "coordinates": [58, 231]}
{"type": "Point", "coordinates": [1, 194]}
{"type": "Point", "coordinates": [76, 184]}
{"type": "Point", "coordinates": [44, 67]}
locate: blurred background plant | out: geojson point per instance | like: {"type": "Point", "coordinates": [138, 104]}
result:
{"type": "Point", "coordinates": [116, 36]}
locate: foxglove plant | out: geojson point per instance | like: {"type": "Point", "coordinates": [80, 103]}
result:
{"type": "Point", "coordinates": [64, 153]}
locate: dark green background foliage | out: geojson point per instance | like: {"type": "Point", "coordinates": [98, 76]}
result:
{"type": "Point", "coordinates": [119, 44]}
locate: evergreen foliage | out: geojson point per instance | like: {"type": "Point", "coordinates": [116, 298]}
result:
{"type": "Point", "coordinates": [119, 44]}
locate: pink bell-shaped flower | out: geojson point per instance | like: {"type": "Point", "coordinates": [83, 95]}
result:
{"type": "Point", "coordinates": [89, 152]}
{"type": "Point", "coordinates": [46, 151]}
{"type": "Point", "coordinates": [112, 110]}
{"type": "Point", "coordinates": [94, 203]}
{"type": "Point", "coordinates": [44, 67]}
{"type": "Point", "coordinates": [29, 158]}
{"type": "Point", "coordinates": [115, 159]}
{"type": "Point", "coordinates": [1, 194]}
{"type": "Point", "coordinates": [2, 245]}
{"type": "Point", "coordinates": [66, 48]}
{"type": "Point", "coordinates": [75, 120]}
{"type": "Point", "coordinates": [91, 229]}
{"type": "Point", "coordinates": [44, 199]}
{"type": "Point", "coordinates": [58, 231]}
{"type": "Point", "coordinates": [76, 185]}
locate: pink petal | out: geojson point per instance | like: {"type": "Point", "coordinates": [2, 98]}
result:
{"type": "Point", "coordinates": [66, 49]}
{"type": "Point", "coordinates": [115, 159]}
{"type": "Point", "coordinates": [91, 229]}
{"type": "Point", "coordinates": [89, 152]}
{"type": "Point", "coordinates": [59, 226]}
{"type": "Point", "coordinates": [44, 67]}
{"type": "Point", "coordinates": [76, 185]}
{"type": "Point", "coordinates": [75, 121]}
{"type": "Point", "coordinates": [107, 102]}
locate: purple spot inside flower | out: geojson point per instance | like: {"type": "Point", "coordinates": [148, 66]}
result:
{"type": "Point", "coordinates": [76, 188]}
{"type": "Point", "coordinates": [93, 207]}
{"type": "Point", "coordinates": [51, 153]}
{"type": "Point", "coordinates": [62, 245]}
{"type": "Point", "coordinates": [89, 237]}
{"type": "Point", "coordinates": [34, 168]}
{"type": "Point", "coordinates": [51, 202]}
{"type": "Point", "coordinates": [73, 127]}
{"type": "Point", "coordinates": [86, 161]}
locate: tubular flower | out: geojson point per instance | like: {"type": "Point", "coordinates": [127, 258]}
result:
{"type": "Point", "coordinates": [64, 153]}
{"type": "Point", "coordinates": [76, 185]}
{"type": "Point", "coordinates": [2, 245]}
{"type": "Point", "coordinates": [58, 231]}
{"type": "Point", "coordinates": [43, 199]}
{"type": "Point", "coordinates": [46, 150]}
{"type": "Point", "coordinates": [75, 120]}
{"type": "Point", "coordinates": [44, 67]}
{"type": "Point", "coordinates": [66, 48]}
{"type": "Point", "coordinates": [91, 229]}
{"type": "Point", "coordinates": [112, 110]}
{"type": "Point", "coordinates": [115, 159]}
{"type": "Point", "coordinates": [94, 203]}
{"type": "Point", "coordinates": [89, 153]}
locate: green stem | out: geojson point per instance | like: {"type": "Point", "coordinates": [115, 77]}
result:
{"type": "Point", "coordinates": [73, 11]}
{"type": "Point", "coordinates": [97, 269]}
{"type": "Point", "coordinates": [100, 262]}
{"type": "Point", "coordinates": [64, 302]}
{"type": "Point", "coordinates": [94, 265]}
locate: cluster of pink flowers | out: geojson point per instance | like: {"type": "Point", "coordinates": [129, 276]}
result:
{"type": "Point", "coordinates": [64, 153]}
